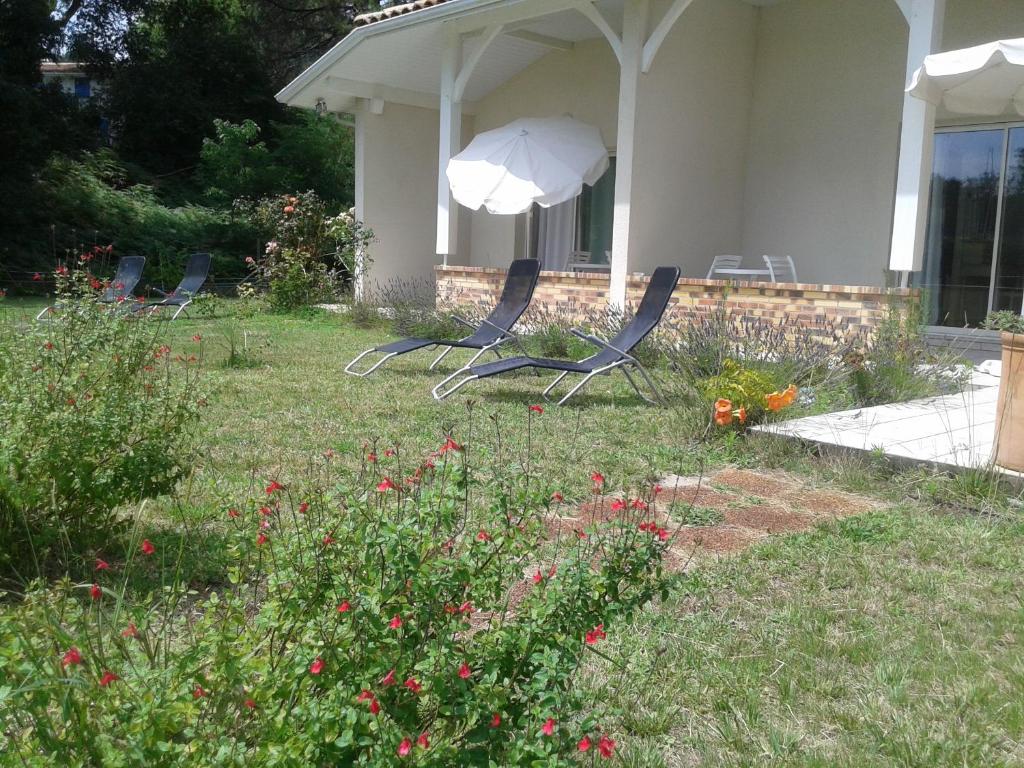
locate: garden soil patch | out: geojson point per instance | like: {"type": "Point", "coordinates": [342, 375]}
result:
{"type": "Point", "coordinates": [754, 505]}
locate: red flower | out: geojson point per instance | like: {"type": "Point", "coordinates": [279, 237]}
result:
{"type": "Point", "coordinates": [71, 657]}
{"type": "Point", "coordinates": [536, 409]}
{"type": "Point", "coordinates": [365, 695]}
{"type": "Point", "coordinates": [262, 539]}
{"type": "Point", "coordinates": [387, 484]}
{"type": "Point", "coordinates": [495, 720]}
{"type": "Point", "coordinates": [405, 747]}
{"type": "Point", "coordinates": [372, 458]}
{"type": "Point", "coordinates": [250, 703]}
{"type": "Point", "coordinates": [266, 511]}
{"type": "Point", "coordinates": [317, 666]}
{"type": "Point", "coordinates": [663, 534]}
{"type": "Point", "coordinates": [147, 547]}
{"type": "Point", "coordinates": [95, 284]}
{"type": "Point", "coordinates": [233, 513]}
{"type": "Point", "coordinates": [466, 607]}
{"type": "Point", "coordinates": [424, 740]}
{"type": "Point", "coordinates": [584, 744]}
{"type": "Point", "coordinates": [465, 671]}
{"type": "Point", "coordinates": [199, 693]}
{"type": "Point", "coordinates": [328, 540]}
{"type": "Point", "coordinates": [37, 276]}
{"type": "Point", "coordinates": [645, 526]}
{"type": "Point", "coordinates": [62, 270]}
{"type": "Point", "coordinates": [130, 631]}
{"type": "Point", "coordinates": [580, 534]}
{"type": "Point", "coordinates": [549, 727]}
{"type": "Point", "coordinates": [274, 487]}
{"type": "Point", "coordinates": [102, 565]}
{"type": "Point", "coordinates": [538, 577]}
{"type": "Point", "coordinates": [598, 480]}
{"type": "Point", "coordinates": [374, 707]}
{"type": "Point", "coordinates": [264, 525]}
{"type": "Point", "coordinates": [483, 535]}
{"type": "Point", "coordinates": [597, 633]}
{"type": "Point", "coordinates": [639, 504]}
{"type": "Point", "coordinates": [388, 679]}
{"type": "Point", "coordinates": [557, 496]}
{"type": "Point", "coordinates": [108, 678]}
{"type": "Point", "coordinates": [413, 685]}
{"type": "Point", "coordinates": [390, 452]}
{"type": "Point", "coordinates": [48, 345]}
{"type": "Point", "coordinates": [396, 622]}
{"type": "Point", "coordinates": [618, 505]}
{"type": "Point", "coordinates": [95, 592]}
{"type": "Point", "coordinates": [449, 445]}
{"type": "Point", "coordinates": [303, 507]}
{"type": "Point", "coordinates": [605, 746]}
{"type": "Point", "coordinates": [344, 606]}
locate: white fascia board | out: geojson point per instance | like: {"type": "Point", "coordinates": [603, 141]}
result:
{"type": "Point", "coordinates": [450, 9]}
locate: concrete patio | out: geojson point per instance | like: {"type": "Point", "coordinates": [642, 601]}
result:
{"type": "Point", "coordinates": [953, 432]}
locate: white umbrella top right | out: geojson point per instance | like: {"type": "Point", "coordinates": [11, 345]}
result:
{"type": "Point", "coordinates": [983, 80]}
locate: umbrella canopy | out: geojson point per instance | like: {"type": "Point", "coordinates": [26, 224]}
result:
{"type": "Point", "coordinates": [983, 80]}
{"type": "Point", "coordinates": [531, 160]}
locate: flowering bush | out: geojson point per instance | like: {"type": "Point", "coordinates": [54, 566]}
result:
{"type": "Point", "coordinates": [310, 254]}
{"type": "Point", "coordinates": [400, 615]}
{"type": "Point", "coordinates": [95, 409]}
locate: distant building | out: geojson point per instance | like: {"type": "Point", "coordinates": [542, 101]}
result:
{"type": "Point", "coordinates": [72, 78]}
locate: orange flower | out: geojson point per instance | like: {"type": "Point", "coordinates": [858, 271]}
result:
{"type": "Point", "coordinates": [776, 401]}
{"type": "Point", "coordinates": [741, 414]}
{"type": "Point", "coordinates": [723, 412]}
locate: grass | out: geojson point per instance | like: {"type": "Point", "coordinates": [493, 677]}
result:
{"type": "Point", "coordinates": [890, 639]}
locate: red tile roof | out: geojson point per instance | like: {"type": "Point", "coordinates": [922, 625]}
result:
{"type": "Point", "coordinates": [396, 10]}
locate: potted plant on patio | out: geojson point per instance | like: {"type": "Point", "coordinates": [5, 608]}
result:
{"type": "Point", "coordinates": [1009, 442]}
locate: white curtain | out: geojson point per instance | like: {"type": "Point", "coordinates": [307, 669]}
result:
{"type": "Point", "coordinates": [555, 227]}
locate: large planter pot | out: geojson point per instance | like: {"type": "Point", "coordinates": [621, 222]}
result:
{"type": "Point", "coordinates": [1010, 409]}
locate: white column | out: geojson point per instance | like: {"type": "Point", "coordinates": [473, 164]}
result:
{"type": "Point", "coordinates": [917, 143]}
{"type": "Point", "coordinates": [360, 193]}
{"type": "Point", "coordinates": [634, 34]}
{"type": "Point", "coordinates": [449, 143]}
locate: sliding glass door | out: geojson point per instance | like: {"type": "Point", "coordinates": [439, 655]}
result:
{"type": "Point", "coordinates": [974, 252]}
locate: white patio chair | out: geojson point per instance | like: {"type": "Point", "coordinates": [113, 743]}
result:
{"type": "Point", "coordinates": [781, 269]}
{"type": "Point", "coordinates": [724, 262]}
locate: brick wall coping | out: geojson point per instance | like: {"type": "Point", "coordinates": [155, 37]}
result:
{"type": "Point", "coordinates": [582, 278]}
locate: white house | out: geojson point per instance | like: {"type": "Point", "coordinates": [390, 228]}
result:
{"type": "Point", "coordinates": [736, 126]}
{"type": "Point", "coordinates": [72, 79]}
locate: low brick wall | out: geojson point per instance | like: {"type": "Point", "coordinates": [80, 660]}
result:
{"type": "Point", "coordinates": [802, 305]}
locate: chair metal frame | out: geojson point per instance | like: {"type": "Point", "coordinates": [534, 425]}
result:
{"type": "Point", "coordinates": [506, 337]}
{"type": "Point", "coordinates": [771, 268]}
{"type": "Point", "coordinates": [727, 261]}
{"type": "Point", "coordinates": [626, 362]}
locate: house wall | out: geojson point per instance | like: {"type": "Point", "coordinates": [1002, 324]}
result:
{"type": "Point", "coordinates": [824, 137]}
{"type": "Point", "coordinates": [825, 123]}
{"type": "Point", "coordinates": [399, 193]}
{"type": "Point", "coordinates": [690, 163]}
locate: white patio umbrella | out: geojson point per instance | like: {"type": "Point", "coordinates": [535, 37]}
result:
{"type": "Point", "coordinates": [983, 80]}
{"type": "Point", "coordinates": [532, 160]}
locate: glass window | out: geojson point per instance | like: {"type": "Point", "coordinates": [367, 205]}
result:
{"type": "Point", "coordinates": [962, 226]}
{"type": "Point", "coordinates": [1008, 287]}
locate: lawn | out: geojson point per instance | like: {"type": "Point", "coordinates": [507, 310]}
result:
{"type": "Point", "coordinates": [889, 638]}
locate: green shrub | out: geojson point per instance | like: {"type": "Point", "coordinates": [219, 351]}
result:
{"type": "Point", "coordinates": [1005, 320]}
{"type": "Point", "coordinates": [744, 387]}
{"type": "Point", "coordinates": [96, 411]}
{"type": "Point", "coordinates": [311, 254]}
{"type": "Point", "coordinates": [386, 621]}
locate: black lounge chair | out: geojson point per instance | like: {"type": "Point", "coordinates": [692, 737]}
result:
{"type": "Point", "coordinates": [126, 277]}
{"type": "Point", "coordinates": [491, 333]}
{"type": "Point", "coordinates": [614, 354]}
{"type": "Point", "coordinates": [196, 272]}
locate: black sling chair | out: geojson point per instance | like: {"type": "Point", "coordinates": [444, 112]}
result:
{"type": "Point", "coordinates": [126, 277]}
{"type": "Point", "coordinates": [614, 354]}
{"type": "Point", "coordinates": [491, 333]}
{"type": "Point", "coordinates": [196, 272]}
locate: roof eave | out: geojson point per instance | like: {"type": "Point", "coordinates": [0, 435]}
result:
{"type": "Point", "coordinates": [438, 12]}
